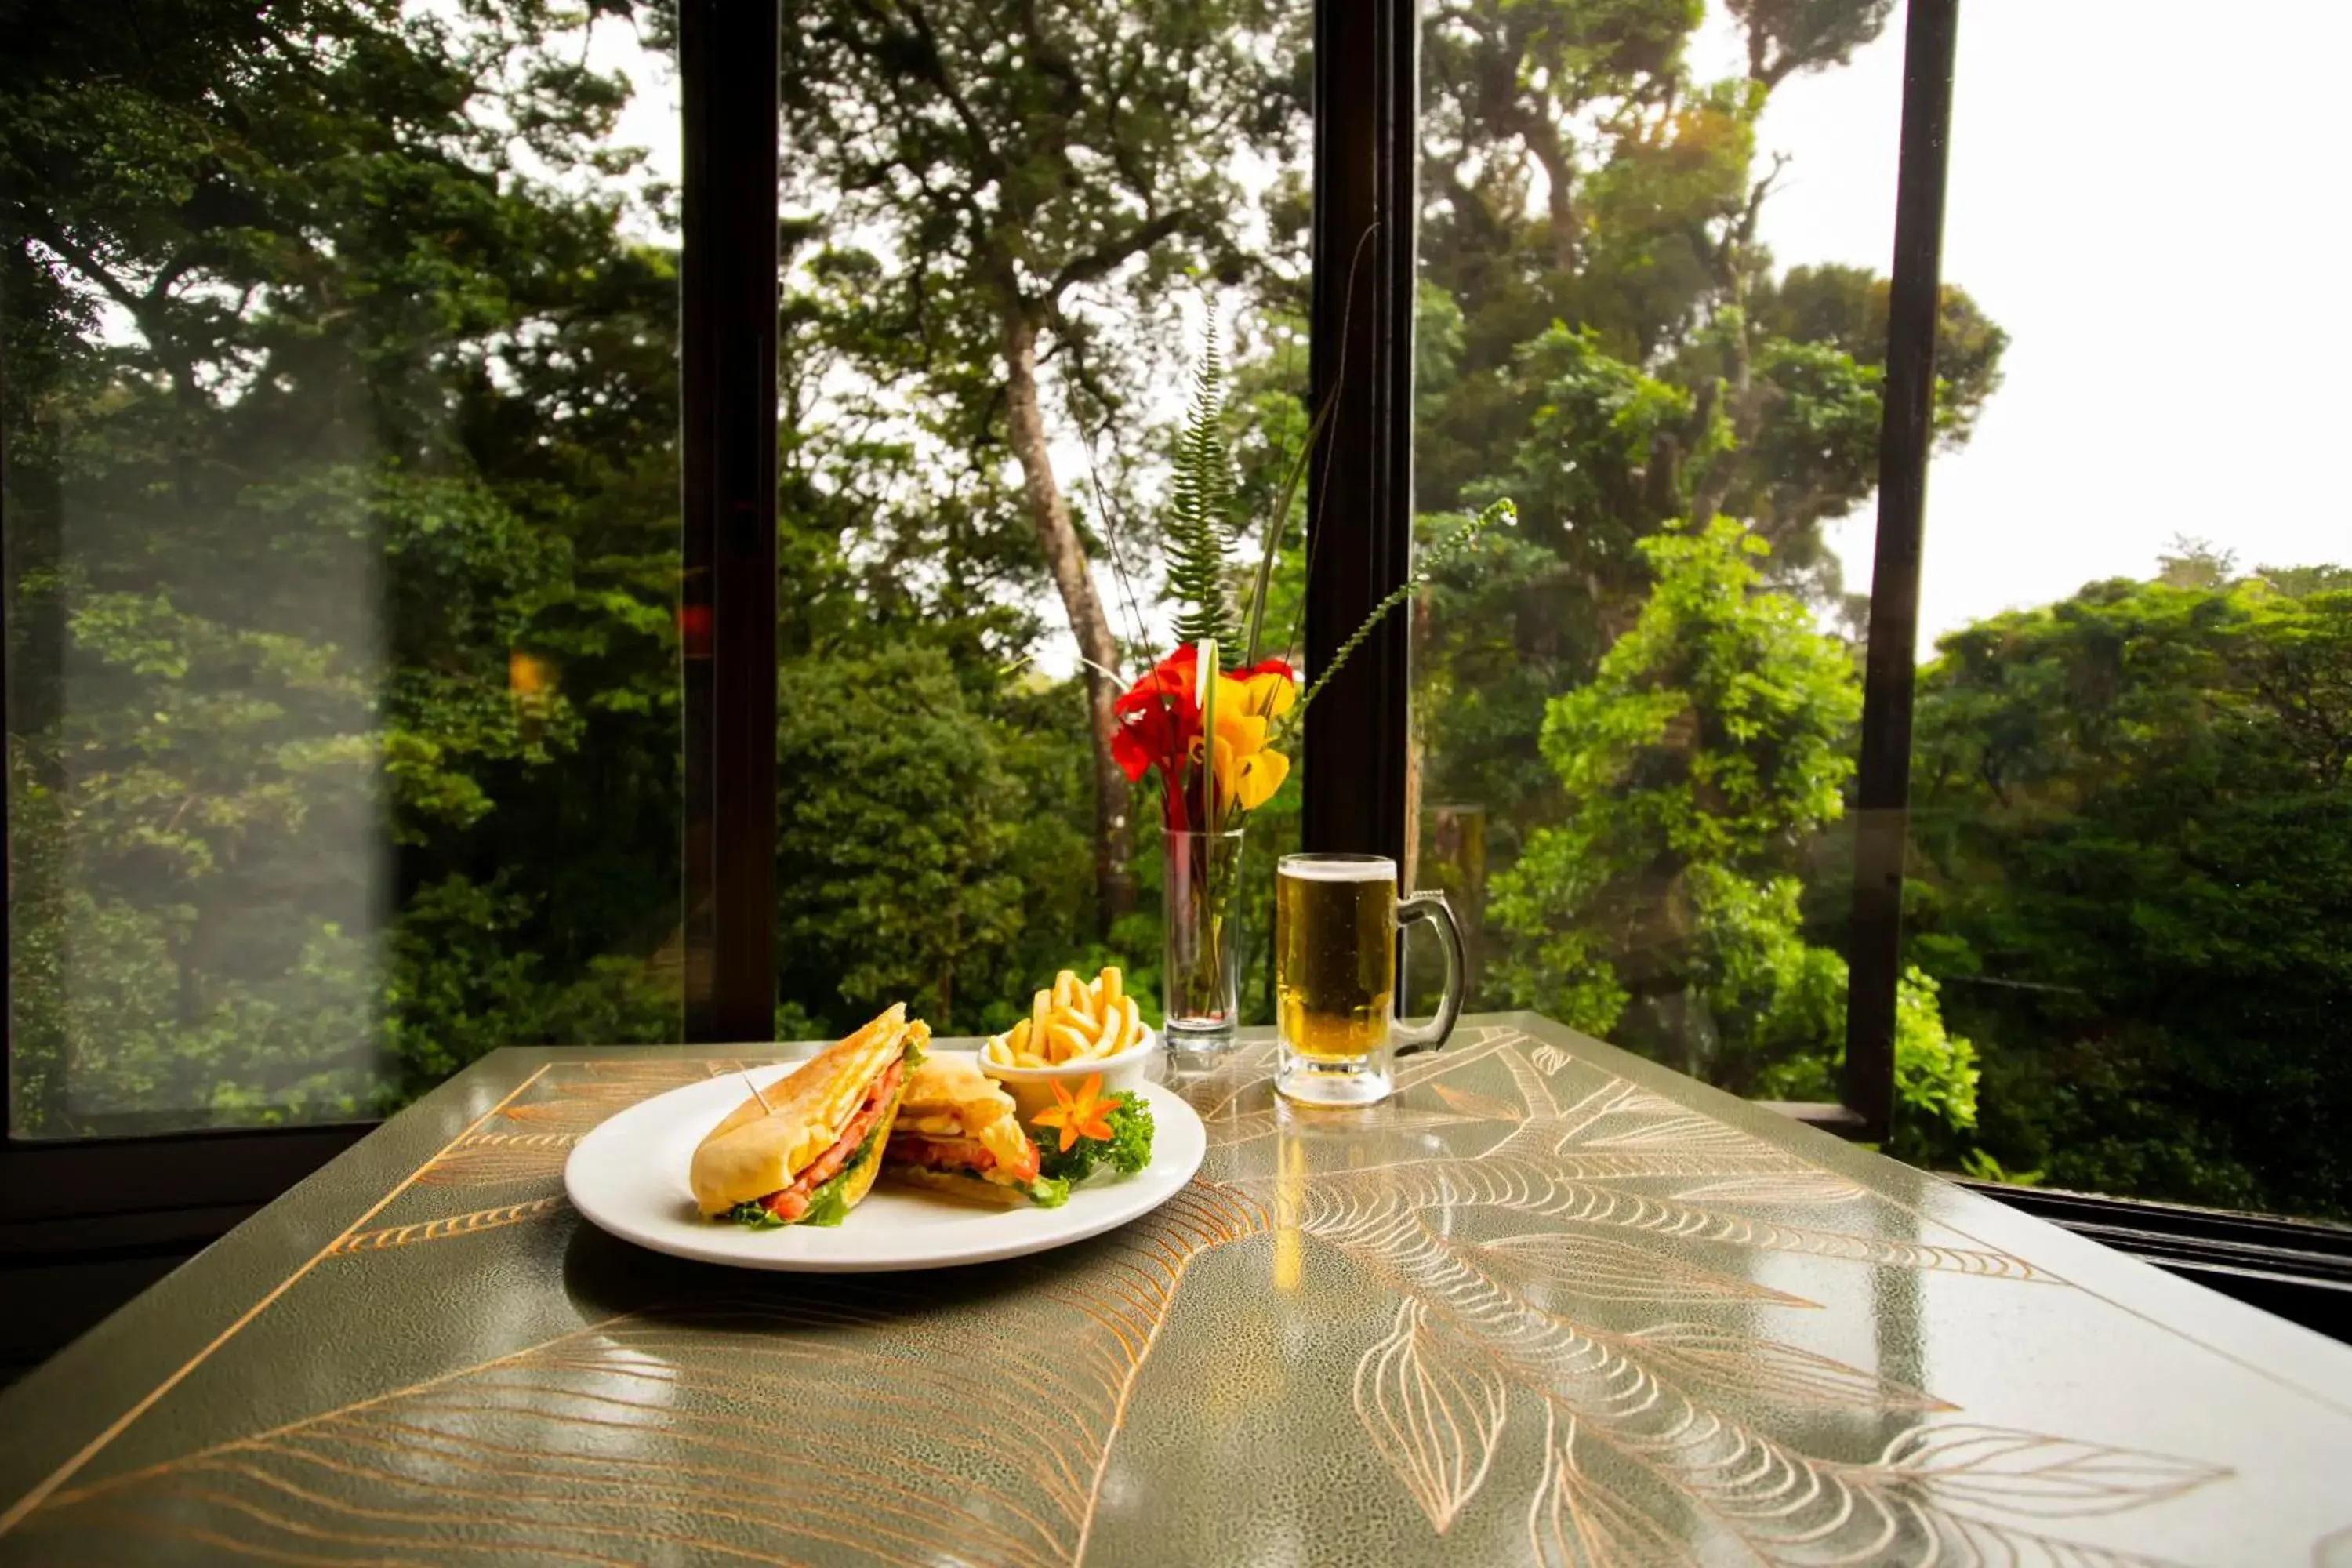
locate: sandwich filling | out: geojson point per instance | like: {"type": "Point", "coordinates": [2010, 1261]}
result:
{"type": "Point", "coordinates": [960, 1153]}
{"type": "Point", "coordinates": [956, 1123]}
{"type": "Point", "coordinates": [815, 1191]}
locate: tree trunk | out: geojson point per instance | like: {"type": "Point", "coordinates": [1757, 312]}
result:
{"type": "Point", "coordinates": [1049, 513]}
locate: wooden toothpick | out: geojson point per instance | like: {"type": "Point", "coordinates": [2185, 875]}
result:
{"type": "Point", "coordinates": [757, 1095]}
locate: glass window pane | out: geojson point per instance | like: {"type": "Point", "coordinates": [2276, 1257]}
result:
{"type": "Point", "coordinates": [2132, 834]}
{"type": "Point", "coordinates": [342, 549]}
{"type": "Point", "coordinates": [1010, 231]}
{"type": "Point", "coordinates": [1652, 313]}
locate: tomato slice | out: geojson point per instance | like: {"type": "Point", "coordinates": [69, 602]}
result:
{"type": "Point", "coordinates": [1025, 1167]}
{"type": "Point", "coordinates": [790, 1203]}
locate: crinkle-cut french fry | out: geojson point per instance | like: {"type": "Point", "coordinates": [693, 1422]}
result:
{"type": "Point", "coordinates": [1017, 1041]}
{"type": "Point", "coordinates": [1130, 1025]}
{"type": "Point", "coordinates": [1041, 1010]}
{"type": "Point", "coordinates": [1065, 990]}
{"type": "Point", "coordinates": [1108, 987]}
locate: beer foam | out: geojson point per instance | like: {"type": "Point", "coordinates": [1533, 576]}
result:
{"type": "Point", "coordinates": [1371, 870]}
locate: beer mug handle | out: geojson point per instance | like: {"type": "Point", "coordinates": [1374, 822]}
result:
{"type": "Point", "coordinates": [1432, 908]}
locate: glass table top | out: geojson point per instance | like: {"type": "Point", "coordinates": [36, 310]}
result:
{"type": "Point", "coordinates": [1552, 1304]}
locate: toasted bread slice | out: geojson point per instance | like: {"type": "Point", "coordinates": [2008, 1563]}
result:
{"type": "Point", "coordinates": [762, 1149]}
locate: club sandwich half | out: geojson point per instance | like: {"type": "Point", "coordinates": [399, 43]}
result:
{"type": "Point", "coordinates": [958, 1133]}
{"type": "Point", "coordinates": [805, 1149]}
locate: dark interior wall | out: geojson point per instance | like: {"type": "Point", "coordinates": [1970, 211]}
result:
{"type": "Point", "coordinates": [86, 1227]}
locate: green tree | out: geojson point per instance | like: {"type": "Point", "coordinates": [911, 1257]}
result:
{"type": "Point", "coordinates": [922, 855]}
{"type": "Point", "coordinates": [1605, 339]}
{"type": "Point", "coordinates": [341, 511]}
{"type": "Point", "coordinates": [1007, 184]}
{"type": "Point", "coordinates": [1593, 280]}
{"type": "Point", "coordinates": [2133, 812]}
{"type": "Point", "coordinates": [1662, 909]}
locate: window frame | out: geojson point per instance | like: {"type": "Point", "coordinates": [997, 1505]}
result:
{"type": "Point", "coordinates": [1890, 670]}
{"type": "Point", "coordinates": [1360, 500]}
{"type": "Point", "coordinates": [730, 57]}
{"type": "Point", "coordinates": [1359, 493]}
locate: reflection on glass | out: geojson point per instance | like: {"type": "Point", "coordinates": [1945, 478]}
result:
{"type": "Point", "coordinates": [1636, 719]}
{"type": "Point", "coordinates": [1010, 233]}
{"type": "Point", "coordinates": [1289, 1202]}
{"type": "Point", "coordinates": [341, 530]}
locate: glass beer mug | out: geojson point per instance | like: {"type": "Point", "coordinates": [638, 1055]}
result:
{"type": "Point", "coordinates": [1336, 920]}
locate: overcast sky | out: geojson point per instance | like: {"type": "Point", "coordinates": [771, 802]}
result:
{"type": "Point", "coordinates": [2146, 194]}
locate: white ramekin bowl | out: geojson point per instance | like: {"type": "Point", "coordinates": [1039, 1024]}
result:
{"type": "Point", "coordinates": [1032, 1088]}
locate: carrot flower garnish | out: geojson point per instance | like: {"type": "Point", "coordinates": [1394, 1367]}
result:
{"type": "Point", "coordinates": [1085, 1115]}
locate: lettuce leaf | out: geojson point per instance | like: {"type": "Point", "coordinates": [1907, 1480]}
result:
{"type": "Point", "coordinates": [829, 1205]}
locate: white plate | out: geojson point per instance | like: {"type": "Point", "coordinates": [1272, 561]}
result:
{"type": "Point", "coordinates": [628, 1176]}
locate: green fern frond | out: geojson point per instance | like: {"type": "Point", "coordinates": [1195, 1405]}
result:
{"type": "Point", "coordinates": [1425, 567]}
{"type": "Point", "coordinates": [1199, 531]}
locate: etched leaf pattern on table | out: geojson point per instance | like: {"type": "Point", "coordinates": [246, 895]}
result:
{"type": "Point", "coordinates": [1472, 1342]}
{"type": "Point", "coordinates": [1550, 1239]}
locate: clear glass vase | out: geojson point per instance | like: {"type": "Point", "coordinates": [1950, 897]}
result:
{"type": "Point", "coordinates": [1200, 983]}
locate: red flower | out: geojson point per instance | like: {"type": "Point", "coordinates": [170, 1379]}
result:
{"type": "Point", "coordinates": [1172, 682]}
{"type": "Point", "coordinates": [1159, 720]}
{"type": "Point", "coordinates": [1153, 737]}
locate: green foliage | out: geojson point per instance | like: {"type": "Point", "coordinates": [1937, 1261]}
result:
{"type": "Point", "coordinates": [1126, 1150]}
{"type": "Point", "coordinates": [2133, 817]}
{"type": "Point", "coordinates": [1432, 560]}
{"type": "Point", "coordinates": [1200, 519]}
{"type": "Point", "coordinates": [322, 424]}
{"type": "Point", "coordinates": [1603, 341]}
{"type": "Point", "coordinates": [1661, 908]}
{"type": "Point", "coordinates": [925, 846]}
{"type": "Point", "coordinates": [341, 414]}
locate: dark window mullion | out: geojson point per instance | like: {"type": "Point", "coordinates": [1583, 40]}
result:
{"type": "Point", "coordinates": [1359, 492]}
{"type": "Point", "coordinates": [728, 55]}
{"type": "Point", "coordinates": [1882, 821]}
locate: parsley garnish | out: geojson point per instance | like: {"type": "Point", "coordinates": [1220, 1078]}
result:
{"type": "Point", "coordinates": [1127, 1149]}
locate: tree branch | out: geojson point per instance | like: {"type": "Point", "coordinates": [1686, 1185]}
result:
{"type": "Point", "coordinates": [932, 66]}
{"type": "Point", "coordinates": [1106, 258]}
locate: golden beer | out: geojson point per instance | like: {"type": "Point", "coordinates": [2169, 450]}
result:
{"type": "Point", "coordinates": [1335, 956]}
{"type": "Point", "coordinates": [1336, 919]}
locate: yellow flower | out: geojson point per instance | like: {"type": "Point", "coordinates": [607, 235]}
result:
{"type": "Point", "coordinates": [1249, 779]}
{"type": "Point", "coordinates": [1270, 693]}
{"type": "Point", "coordinates": [1248, 771]}
{"type": "Point", "coordinates": [1237, 723]}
